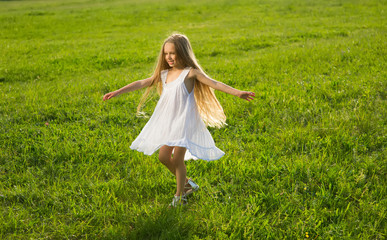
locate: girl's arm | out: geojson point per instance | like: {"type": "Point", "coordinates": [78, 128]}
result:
{"type": "Point", "coordinates": [129, 88]}
{"type": "Point", "coordinates": [200, 76]}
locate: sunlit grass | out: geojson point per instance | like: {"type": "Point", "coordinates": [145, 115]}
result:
{"type": "Point", "coordinates": [305, 160]}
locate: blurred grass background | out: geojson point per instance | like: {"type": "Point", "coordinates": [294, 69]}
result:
{"type": "Point", "coordinates": [306, 159]}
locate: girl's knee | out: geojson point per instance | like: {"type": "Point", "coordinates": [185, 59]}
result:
{"type": "Point", "coordinates": [165, 154]}
{"type": "Point", "coordinates": [178, 157]}
{"type": "Point", "coordinates": [164, 159]}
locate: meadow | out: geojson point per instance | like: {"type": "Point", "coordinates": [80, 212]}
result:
{"type": "Point", "coordinates": [305, 160]}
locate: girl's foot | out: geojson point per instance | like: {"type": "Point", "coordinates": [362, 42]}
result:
{"type": "Point", "coordinates": [178, 201]}
{"type": "Point", "coordinates": [190, 187]}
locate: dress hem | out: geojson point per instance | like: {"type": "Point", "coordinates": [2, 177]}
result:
{"type": "Point", "coordinates": [176, 144]}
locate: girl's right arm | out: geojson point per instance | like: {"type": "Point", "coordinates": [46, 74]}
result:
{"type": "Point", "coordinates": [129, 88]}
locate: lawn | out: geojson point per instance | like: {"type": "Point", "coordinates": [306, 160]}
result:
{"type": "Point", "coordinates": [305, 160]}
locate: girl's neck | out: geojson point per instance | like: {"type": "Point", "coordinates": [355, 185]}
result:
{"type": "Point", "coordinates": [176, 68]}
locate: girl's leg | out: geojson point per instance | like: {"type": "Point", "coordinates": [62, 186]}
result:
{"type": "Point", "coordinates": [181, 171]}
{"type": "Point", "coordinates": [165, 157]}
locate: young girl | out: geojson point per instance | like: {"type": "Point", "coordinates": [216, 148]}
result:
{"type": "Point", "coordinates": [186, 106]}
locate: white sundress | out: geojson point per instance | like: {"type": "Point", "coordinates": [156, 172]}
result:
{"type": "Point", "coordinates": [177, 122]}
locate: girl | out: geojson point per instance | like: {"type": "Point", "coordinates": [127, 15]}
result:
{"type": "Point", "coordinates": [186, 106]}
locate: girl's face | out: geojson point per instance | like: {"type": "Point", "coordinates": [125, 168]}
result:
{"type": "Point", "coordinates": [170, 54]}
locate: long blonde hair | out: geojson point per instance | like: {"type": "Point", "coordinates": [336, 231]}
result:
{"type": "Point", "coordinates": [208, 105]}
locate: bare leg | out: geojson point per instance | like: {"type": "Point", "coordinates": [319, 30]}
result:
{"type": "Point", "coordinates": [181, 171]}
{"type": "Point", "coordinates": [165, 157]}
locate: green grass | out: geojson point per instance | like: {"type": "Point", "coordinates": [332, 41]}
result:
{"type": "Point", "coordinates": [305, 160]}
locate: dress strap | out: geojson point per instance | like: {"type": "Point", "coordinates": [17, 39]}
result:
{"type": "Point", "coordinates": [184, 73]}
{"type": "Point", "coordinates": [164, 76]}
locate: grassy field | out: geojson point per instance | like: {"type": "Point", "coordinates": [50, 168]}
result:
{"type": "Point", "coordinates": [305, 160]}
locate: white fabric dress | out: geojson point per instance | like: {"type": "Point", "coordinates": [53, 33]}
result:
{"type": "Point", "coordinates": [176, 122]}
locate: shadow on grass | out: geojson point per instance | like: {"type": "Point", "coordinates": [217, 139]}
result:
{"type": "Point", "coordinates": [160, 223]}
{"type": "Point", "coordinates": [167, 224]}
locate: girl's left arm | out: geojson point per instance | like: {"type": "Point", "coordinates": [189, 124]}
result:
{"type": "Point", "coordinates": [200, 76]}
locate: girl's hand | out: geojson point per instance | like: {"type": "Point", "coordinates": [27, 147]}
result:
{"type": "Point", "coordinates": [109, 95]}
{"type": "Point", "coordinates": [246, 95]}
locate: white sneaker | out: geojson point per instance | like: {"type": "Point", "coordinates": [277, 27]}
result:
{"type": "Point", "coordinates": [193, 187]}
{"type": "Point", "coordinates": [178, 201]}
